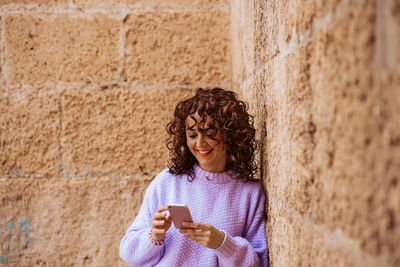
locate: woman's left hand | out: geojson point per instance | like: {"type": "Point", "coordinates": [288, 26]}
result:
{"type": "Point", "coordinates": [204, 234]}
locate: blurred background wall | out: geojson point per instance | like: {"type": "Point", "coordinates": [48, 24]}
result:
{"type": "Point", "coordinates": [87, 87]}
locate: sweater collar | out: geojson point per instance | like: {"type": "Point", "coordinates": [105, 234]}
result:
{"type": "Point", "coordinates": [212, 177]}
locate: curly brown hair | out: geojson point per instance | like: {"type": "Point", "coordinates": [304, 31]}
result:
{"type": "Point", "coordinates": [228, 115]}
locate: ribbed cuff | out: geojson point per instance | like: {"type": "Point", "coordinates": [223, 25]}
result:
{"type": "Point", "coordinates": [157, 242]}
{"type": "Point", "coordinates": [153, 243]}
{"type": "Point", "coordinates": [227, 247]}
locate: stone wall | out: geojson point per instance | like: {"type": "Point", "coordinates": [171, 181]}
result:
{"type": "Point", "coordinates": [86, 90]}
{"type": "Point", "coordinates": [323, 79]}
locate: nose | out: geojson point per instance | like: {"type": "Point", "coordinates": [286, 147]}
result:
{"type": "Point", "coordinates": [200, 141]}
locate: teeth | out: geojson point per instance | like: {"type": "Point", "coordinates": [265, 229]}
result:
{"type": "Point", "coordinates": [204, 151]}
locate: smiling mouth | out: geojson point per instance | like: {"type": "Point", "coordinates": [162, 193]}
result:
{"type": "Point", "coordinates": [204, 153]}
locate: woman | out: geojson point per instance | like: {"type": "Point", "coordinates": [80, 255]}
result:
{"type": "Point", "coordinates": [212, 168]}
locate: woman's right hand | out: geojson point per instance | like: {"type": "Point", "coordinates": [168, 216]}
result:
{"type": "Point", "coordinates": [160, 223]}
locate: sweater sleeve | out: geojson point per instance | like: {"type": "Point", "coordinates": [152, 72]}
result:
{"type": "Point", "coordinates": [136, 249]}
{"type": "Point", "coordinates": [252, 248]}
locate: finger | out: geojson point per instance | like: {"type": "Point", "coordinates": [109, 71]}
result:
{"type": "Point", "coordinates": [199, 239]}
{"type": "Point", "coordinates": [194, 236]}
{"type": "Point", "coordinates": [188, 225]}
{"type": "Point", "coordinates": [162, 208]}
{"type": "Point", "coordinates": [157, 231]}
{"type": "Point", "coordinates": [197, 235]}
{"type": "Point", "coordinates": [202, 226]}
{"type": "Point", "coordinates": [190, 231]}
{"type": "Point", "coordinates": [158, 223]}
{"type": "Point", "coordinates": [159, 216]}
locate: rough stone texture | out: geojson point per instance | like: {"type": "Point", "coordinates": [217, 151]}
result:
{"type": "Point", "coordinates": [61, 48]}
{"type": "Point", "coordinates": [353, 157]}
{"type": "Point", "coordinates": [67, 222]}
{"type": "Point", "coordinates": [326, 101]}
{"type": "Point", "coordinates": [347, 138]}
{"type": "Point", "coordinates": [29, 133]}
{"type": "Point", "coordinates": [117, 130]}
{"type": "Point", "coordinates": [177, 48]}
{"type": "Point", "coordinates": [300, 242]}
{"type": "Point", "coordinates": [281, 24]}
{"type": "Point", "coordinates": [267, 19]}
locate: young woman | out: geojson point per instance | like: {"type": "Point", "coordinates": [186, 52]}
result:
{"type": "Point", "coordinates": [211, 170]}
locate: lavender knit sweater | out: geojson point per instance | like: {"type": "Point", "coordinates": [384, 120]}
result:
{"type": "Point", "coordinates": [234, 207]}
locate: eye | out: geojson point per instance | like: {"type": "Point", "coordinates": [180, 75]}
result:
{"type": "Point", "coordinates": [192, 135]}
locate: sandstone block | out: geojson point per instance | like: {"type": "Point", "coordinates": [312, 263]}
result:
{"type": "Point", "coordinates": [29, 133]}
{"type": "Point", "coordinates": [61, 48]}
{"type": "Point", "coordinates": [177, 48]}
{"type": "Point", "coordinates": [117, 130]}
{"type": "Point", "coordinates": [67, 222]}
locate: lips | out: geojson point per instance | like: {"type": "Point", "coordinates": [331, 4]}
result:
{"type": "Point", "coordinates": [204, 153]}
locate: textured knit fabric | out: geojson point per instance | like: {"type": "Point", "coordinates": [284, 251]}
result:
{"type": "Point", "coordinates": [234, 207]}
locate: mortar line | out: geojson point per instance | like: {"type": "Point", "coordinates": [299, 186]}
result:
{"type": "Point", "coordinates": [112, 175]}
{"type": "Point", "coordinates": [123, 85]}
{"type": "Point", "coordinates": [23, 10]}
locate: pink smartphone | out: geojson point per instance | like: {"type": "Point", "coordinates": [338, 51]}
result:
{"type": "Point", "coordinates": [179, 214]}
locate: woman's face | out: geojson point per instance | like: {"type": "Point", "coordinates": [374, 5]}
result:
{"type": "Point", "coordinates": [209, 150]}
